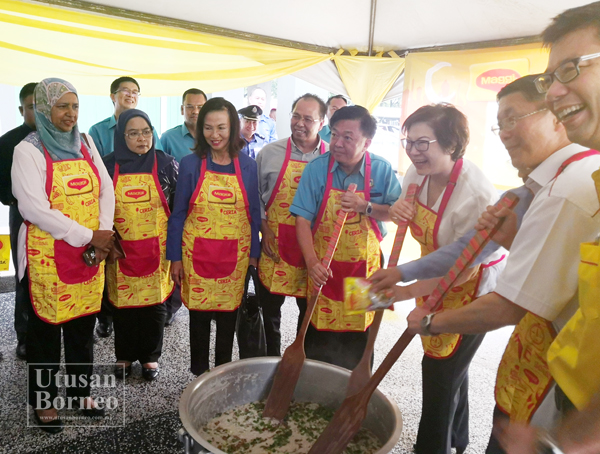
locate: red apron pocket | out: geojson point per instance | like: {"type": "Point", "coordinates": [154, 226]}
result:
{"type": "Point", "coordinates": [142, 257]}
{"type": "Point", "coordinates": [214, 259]}
{"type": "Point", "coordinates": [70, 266]}
{"type": "Point", "coordinates": [289, 249]}
{"type": "Point", "coordinates": [334, 288]}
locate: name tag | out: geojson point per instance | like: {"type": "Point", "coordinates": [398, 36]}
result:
{"type": "Point", "coordinates": [77, 184]}
{"type": "Point", "coordinates": [221, 194]}
{"type": "Point", "coordinates": [295, 179]}
{"type": "Point", "coordinates": [135, 194]}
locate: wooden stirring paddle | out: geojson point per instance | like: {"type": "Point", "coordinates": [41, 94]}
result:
{"type": "Point", "coordinates": [362, 372]}
{"type": "Point", "coordinates": [288, 372]}
{"type": "Point", "coordinates": [348, 418]}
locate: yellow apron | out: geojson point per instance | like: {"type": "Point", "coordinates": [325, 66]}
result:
{"type": "Point", "coordinates": [216, 242]}
{"type": "Point", "coordinates": [357, 255]}
{"type": "Point", "coordinates": [524, 378]}
{"type": "Point", "coordinates": [62, 286]}
{"type": "Point", "coordinates": [141, 215]}
{"type": "Point", "coordinates": [288, 276]}
{"type": "Point", "coordinates": [573, 356]}
{"type": "Point", "coordinates": [424, 228]}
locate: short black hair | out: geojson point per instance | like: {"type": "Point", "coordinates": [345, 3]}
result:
{"type": "Point", "coordinates": [193, 91]}
{"type": "Point", "coordinates": [570, 20]}
{"type": "Point", "coordinates": [368, 124]}
{"type": "Point", "coordinates": [27, 90]}
{"type": "Point", "coordinates": [236, 143]}
{"type": "Point", "coordinates": [117, 83]}
{"type": "Point", "coordinates": [524, 85]}
{"type": "Point", "coordinates": [449, 125]}
{"type": "Point", "coordinates": [342, 97]}
{"type": "Point", "coordinates": [309, 96]}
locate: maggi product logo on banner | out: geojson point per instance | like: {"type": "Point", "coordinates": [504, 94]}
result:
{"type": "Point", "coordinates": [495, 79]}
{"type": "Point", "coordinates": [77, 184]}
{"type": "Point", "coordinates": [487, 79]}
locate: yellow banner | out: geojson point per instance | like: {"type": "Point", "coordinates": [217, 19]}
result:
{"type": "Point", "coordinates": [4, 252]}
{"type": "Point", "coordinates": [470, 80]}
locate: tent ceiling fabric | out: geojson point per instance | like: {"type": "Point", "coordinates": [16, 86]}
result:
{"type": "Point", "coordinates": [399, 24]}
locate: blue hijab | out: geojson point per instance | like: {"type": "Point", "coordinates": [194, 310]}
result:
{"type": "Point", "coordinates": [60, 145]}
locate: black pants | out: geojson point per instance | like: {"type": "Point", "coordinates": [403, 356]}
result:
{"type": "Point", "coordinates": [271, 305]}
{"type": "Point", "coordinates": [21, 296]}
{"type": "Point", "coordinates": [445, 416]}
{"type": "Point", "coordinates": [200, 338]}
{"type": "Point", "coordinates": [139, 333]}
{"type": "Point", "coordinates": [173, 303]}
{"type": "Point", "coordinates": [343, 349]}
{"type": "Point", "coordinates": [43, 346]}
{"type": "Point", "coordinates": [493, 446]}
{"type": "Point", "coordinates": [107, 309]}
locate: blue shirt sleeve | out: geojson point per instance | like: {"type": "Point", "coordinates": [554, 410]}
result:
{"type": "Point", "coordinates": [97, 141]}
{"type": "Point", "coordinates": [311, 189]}
{"type": "Point", "coordinates": [439, 262]}
{"type": "Point", "coordinates": [157, 143]}
{"type": "Point", "coordinates": [250, 179]}
{"type": "Point", "coordinates": [189, 173]}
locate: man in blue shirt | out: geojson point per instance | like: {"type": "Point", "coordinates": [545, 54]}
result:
{"type": "Point", "coordinates": [249, 117]}
{"type": "Point", "coordinates": [179, 141]}
{"type": "Point", "coordinates": [266, 126]}
{"type": "Point", "coordinates": [124, 94]}
{"type": "Point", "coordinates": [332, 336]}
{"type": "Point", "coordinates": [334, 104]}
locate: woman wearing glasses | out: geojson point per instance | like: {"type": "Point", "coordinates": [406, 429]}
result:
{"type": "Point", "coordinates": [452, 193]}
{"type": "Point", "coordinates": [67, 202]}
{"type": "Point", "coordinates": [144, 180]}
{"type": "Point", "coordinates": [213, 232]}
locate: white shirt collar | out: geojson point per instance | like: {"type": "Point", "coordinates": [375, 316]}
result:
{"type": "Point", "coordinates": [546, 171]}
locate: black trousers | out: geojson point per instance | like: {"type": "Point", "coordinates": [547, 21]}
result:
{"type": "Point", "coordinates": [173, 303]}
{"type": "Point", "coordinates": [107, 309]}
{"type": "Point", "coordinates": [271, 306]}
{"type": "Point", "coordinates": [200, 338]}
{"type": "Point", "coordinates": [493, 446]}
{"type": "Point", "coordinates": [343, 349]}
{"type": "Point", "coordinates": [139, 333]}
{"type": "Point", "coordinates": [21, 296]}
{"type": "Point", "coordinates": [445, 416]}
{"type": "Point", "coordinates": [43, 353]}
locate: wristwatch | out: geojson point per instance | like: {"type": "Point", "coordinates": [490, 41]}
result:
{"type": "Point", "coordinates": [369, 209]}
{"type": "Point", "coordinates": [426, 324]}
{"type": "Point", "coordinates": [547, 445]}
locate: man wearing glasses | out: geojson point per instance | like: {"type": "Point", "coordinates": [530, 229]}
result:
{"type": "Point", "coordinates": [537, 291]}
{"type": "Point", "coordinates": [179, 141]}
{"type": "Point", "coordinates": [572, 88]}
{"type": "Point", "coordinates": [124, 94]}
{"type": "Point", "coordinates": [280, 165]}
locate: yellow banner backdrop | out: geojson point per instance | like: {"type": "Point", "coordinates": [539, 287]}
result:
{"type": "Point", "coordinates": [470, 80]}
{"type": "Point", "coordinates": [4, 252]}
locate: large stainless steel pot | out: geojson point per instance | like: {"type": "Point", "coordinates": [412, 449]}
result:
{"type": "Point", "coordinates": [249, 380]}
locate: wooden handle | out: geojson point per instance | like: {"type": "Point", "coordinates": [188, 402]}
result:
{"type": "Point", "coordinates": [402, 227]}
{"type": "Point", "coordinates": [470, 253]}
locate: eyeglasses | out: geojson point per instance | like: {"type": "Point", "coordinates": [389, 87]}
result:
{"type": "Point", "coordinates": [565, 73]}
{"type": "Point", "coordinates": [127, 91]}
{"type": "Point", "coordinates": [510, 122]}
{"type": "Point", "coordinates": [420, 145]}
{"type": "Point", "coordinates": [135, 134]}
{"type": "Point", "coordinates": [308, 121]}
{"type": "Point", "coordinates": [193, 107]}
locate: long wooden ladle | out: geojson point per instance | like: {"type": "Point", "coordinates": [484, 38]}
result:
{"type": "Point", "coordinates": [289, 369]}
{"type": "Point", "coordinates": [362, 372]}
{"type": "Point", "coordinates": [348, 418]}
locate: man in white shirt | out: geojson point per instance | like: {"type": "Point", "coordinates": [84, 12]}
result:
{"type": "Point", "coordinates": [541, 274]}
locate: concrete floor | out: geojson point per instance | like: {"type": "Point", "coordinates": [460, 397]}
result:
{"type": "Point", "coordinates": [151, 414]}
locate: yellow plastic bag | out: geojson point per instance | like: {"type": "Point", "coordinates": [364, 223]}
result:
{"type": "Point", "coordinates": [359, 299]}
{"type": "Point", "coordinates": [4, 252]}
{"type": "Point", "coordinates": [573, 356]}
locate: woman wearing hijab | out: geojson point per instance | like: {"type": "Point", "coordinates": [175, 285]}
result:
{"type": "Point", "coordinates": [144, 180]}
{"type": "Point", "coordinates": [213, 232]}
{"type": "Point", "coordinates": [67, 201]}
